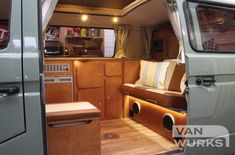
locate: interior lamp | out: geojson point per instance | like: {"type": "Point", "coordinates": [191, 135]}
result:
{"type": "Point", "coordinates": [115, 20]}
{"type": "Point", "coordinates": [84, 17]}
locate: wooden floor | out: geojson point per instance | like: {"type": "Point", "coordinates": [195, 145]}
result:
{"type": "Point", "coordinates": [126, 137]}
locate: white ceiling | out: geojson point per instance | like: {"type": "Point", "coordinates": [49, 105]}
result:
{"type": "Point", "coordinates": [150, 13]}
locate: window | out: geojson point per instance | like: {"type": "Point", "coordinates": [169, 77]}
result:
{"type": "Point", "coordinates": [4, 19]}
{"type": "Point", "coordinates": [214, 29]}
{"type": "Point", "coordinates": [80, 41]}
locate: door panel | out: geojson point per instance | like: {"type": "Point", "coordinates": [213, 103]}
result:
{"type": "Point", "coordinates": [209, 103]}
{"type": "Point", "coordinates": [12, 106]}
{"type": "Point", "coordinates": [21, 113]}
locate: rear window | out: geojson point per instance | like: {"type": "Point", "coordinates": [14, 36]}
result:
{"type": "Point", "coordinates": [80, 41]}
{"type": "Point", "coordinates": [214, 29]}
{"type": "Point", "coordinates": [4, 23]}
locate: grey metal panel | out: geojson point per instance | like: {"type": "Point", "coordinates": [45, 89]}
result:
{"type": "Point", "coordinates": [12, 107]}
{"type": "Point", "coordinates": [227, 2]}
{"type": "Point", "coordinates": [32, 142]}
{"type": "Point", "coordinates": [212, 105]}
{"type": "Point", "coordinates": [34, 109]}
{"type": "Point", "coordinates": [11, 114]}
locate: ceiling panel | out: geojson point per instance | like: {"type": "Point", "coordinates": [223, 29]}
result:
{"type": "Point", "coordinates": [149, 14]}
{"type": "Point", "coordinates": [114, 4]}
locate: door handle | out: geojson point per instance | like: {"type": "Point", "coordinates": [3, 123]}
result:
{"type": "Point", "coordinates": [205, 81]}
{"type": "Point", "coordinates": [9, 91]}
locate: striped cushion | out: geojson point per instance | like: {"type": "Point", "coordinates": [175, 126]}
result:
{"type": "Point", "coordinates": [153, 74]}
{"type": "Point", "coordinates": [174, 75]}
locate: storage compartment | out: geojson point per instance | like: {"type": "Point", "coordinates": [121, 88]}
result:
{"type": "Point", "coordinates": [154, 117]}
{"type": "Point", "coordinates": [58, 89]}
{"type": "Point", "coordinates": [73, 128]}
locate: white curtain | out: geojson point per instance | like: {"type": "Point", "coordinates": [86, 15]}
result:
{"type": "Point", "coordinates": [173, 15]}
{"type": "Point", "coordinates": [148, 41]}
{"type": "Point", "coordinates": [121, 34]}
{"type": "Point", "coordinates": [48, 7]}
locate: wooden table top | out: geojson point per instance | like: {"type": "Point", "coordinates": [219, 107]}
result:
{"type": "Point", "coordinates": [71, 111]}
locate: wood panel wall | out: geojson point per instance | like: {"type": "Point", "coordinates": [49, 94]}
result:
{"type": "Point", "coordinates": [131, 69]}
{"type": "Point", "coordinates": [170, 43]}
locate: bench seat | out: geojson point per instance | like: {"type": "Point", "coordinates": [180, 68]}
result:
{"type": "Point", "coordinates": [165, 98]}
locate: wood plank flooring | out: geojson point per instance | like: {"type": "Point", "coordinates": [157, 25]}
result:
{"type": "Point", "coordinates": [127, 137]}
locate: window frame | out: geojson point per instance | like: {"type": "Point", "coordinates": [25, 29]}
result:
{"type": "Point", "coordinates": [190, 28]}
{"type": "Point", "coordinates": [59, 26]}
{"type": "Point", "coordinates": [8, 22]}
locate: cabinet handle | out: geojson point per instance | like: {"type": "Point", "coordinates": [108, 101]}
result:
{"type": "Point", "coordinates": [66, 124]}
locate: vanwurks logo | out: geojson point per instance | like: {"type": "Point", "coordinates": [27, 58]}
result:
{"type": "Point", "coordinates": [201, 135]}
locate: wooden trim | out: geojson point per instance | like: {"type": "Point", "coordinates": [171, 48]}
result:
{"type": "Point", "coordinates": [97, 11]}
{"type": "Point", "coordinates": [73, 115]}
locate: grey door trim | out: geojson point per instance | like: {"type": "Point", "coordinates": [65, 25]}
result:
{"type": "Point", "coordinates": [41, 64]}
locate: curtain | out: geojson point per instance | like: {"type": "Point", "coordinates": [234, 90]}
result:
{"type": "Point", "coordinates": [48, 7]}
{"type": "Point", "coordinates": [148, 41]}
{"type": "Point", "coordinates": [121, 34]}
{"type": "Point", "coordinates": [173, 15]}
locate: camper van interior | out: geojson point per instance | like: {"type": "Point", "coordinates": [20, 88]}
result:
{"type": "Point", "coordinates": [121, 57]}
{"type": "Point", "coordinates": [114, 73]}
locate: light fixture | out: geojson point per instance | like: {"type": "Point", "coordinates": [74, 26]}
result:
{"type": "Point", "coordinates": [84, 17]}
{"type": "Point", "coordinates": [115, 20]}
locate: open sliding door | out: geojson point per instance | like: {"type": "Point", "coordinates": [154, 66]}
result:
{"type": "Point", "coordinates": [208, 29]}
{"type": "Point", "coordinates": [21, 108]}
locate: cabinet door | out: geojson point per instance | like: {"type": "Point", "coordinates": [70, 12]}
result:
{"type": "Point", "coordinates": [113, 83]}
{"type": "Point", "coordinates": [60, 90]}
{"type": "Point", "coordinates": [114, 98]}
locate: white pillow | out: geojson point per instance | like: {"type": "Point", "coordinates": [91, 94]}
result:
{"type": "Point", "coordinates": [153, 74]}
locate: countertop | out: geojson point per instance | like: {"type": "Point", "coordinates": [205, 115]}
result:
{"type": "Point", "coordinates": [71, 111]}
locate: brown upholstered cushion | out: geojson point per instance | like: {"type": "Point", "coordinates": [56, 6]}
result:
{"type": "Point", "coordinates": [174, 75]}
{"type": "Point", "coordinates": [165, 98]}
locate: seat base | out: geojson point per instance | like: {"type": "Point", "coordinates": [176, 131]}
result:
{"type": "Point", "coordinates": [168, 99]}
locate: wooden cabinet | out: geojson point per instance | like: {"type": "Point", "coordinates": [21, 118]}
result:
{"type": "Point", "coordinates": [99, 82]}
{"type": "Point", "coordinates": [170, 47]}
{"type": "Point", "coordinates": [75, 140]}
{"type": "Point", "coordinates": [58, 81]}
{"type": "Point", "coordinates": [57, 90]}
{"type": "Point", "coordinates": [73, 129]}
{"type": "Point", "coordinates": [113, 83]}
{"type": "Point", "coordinates": [90, 83]}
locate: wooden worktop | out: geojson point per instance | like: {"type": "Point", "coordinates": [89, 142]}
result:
{"type": "Point", "coordinates": [48, 58]}
{"type": "Point", "coordinates": [78, 58]}
{"type": "Point", "coordinates": [71, 111]}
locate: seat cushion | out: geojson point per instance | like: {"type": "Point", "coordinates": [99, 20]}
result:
{"type": "Point", "coordinates": [174, 75]}
{"type": "Point", "coordinates": [165, 98]}
{"type": "Point", "coordinates": [153, 74]}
